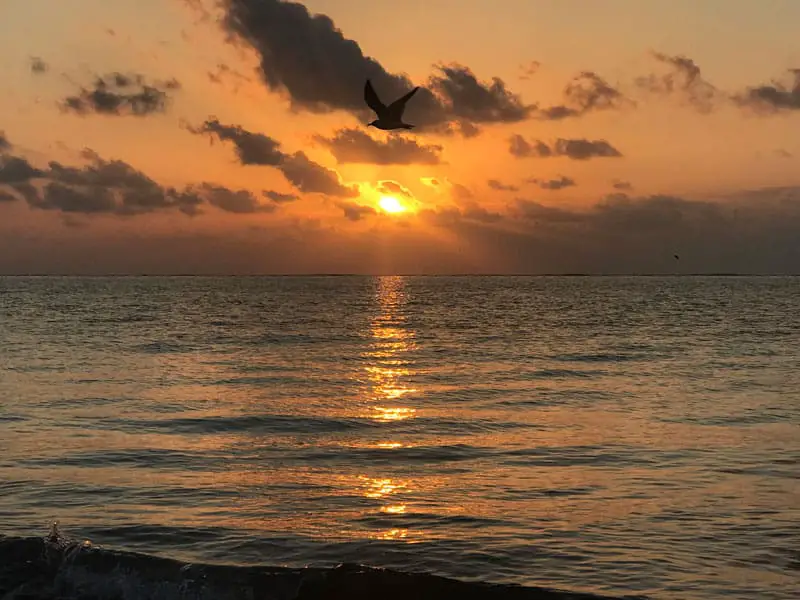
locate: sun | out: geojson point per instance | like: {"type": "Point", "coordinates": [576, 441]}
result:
{"type": "Point", "coordinates": [390, 204]}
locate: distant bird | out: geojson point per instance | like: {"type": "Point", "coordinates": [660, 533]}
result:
{"type": "Point", "coordinates": [676, 257]}
{"type": "Point", "coordinates": [389, 117]}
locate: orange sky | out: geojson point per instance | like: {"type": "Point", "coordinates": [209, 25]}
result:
{"type": "Point", "coordinates": [703, 163]}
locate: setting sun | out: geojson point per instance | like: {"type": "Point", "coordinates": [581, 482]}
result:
{"type": "Point", "coordinates": [390, 204]}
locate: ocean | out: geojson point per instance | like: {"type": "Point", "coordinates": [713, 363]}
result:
{"type": "Point", "coordinates": [242, 436]}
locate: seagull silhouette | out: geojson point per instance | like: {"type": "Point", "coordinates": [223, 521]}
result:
{"type": "Point", "coordinates": [389, 117]}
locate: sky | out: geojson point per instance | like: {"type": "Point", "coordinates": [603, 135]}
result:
{"type": "Point", "coordinates": [551, 136]}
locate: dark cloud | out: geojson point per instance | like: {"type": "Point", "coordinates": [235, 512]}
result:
{"type": "Point", "coordinates": [586, 92]}
{"type": "Point", "coordinates": [500, 186]}
{"type": "Point", "coordinates": [6, 196]}
{"type": "Point", "coordinates": [308, 176]}
{"type": "Point", "coordinates": [575, 149]}
{"type": "Point", "coordinates": [474, 101]}
{"type": "Point", "coordinates": [355, 212]}
{"type": "Point", "coordinates": [251, 148]}
{"type": "Point", "coordinates": [278, 197]}
{"type": "Point", "coordinates": [618, 184]}
{"type": "Point", "coordinates": [68, 199]}
{"type": "Point", "coordinates": [553, 184]}
{"type": "Point", "coordinates": [38, 66]}
{"type": "Point", "coordinates": [683, 79]}
{"type": "Point", "coordinates": [355, 146]}
{"type": "Point", "coordinates": [5, 145]}
{"type": "Point", "coordinates": [234, 201]}
{"type": "Point", "coordinates": [121, 95]}
{"type": "Point", "coordinates": [521, 148]}
{"type": "Point", "coordinates": [773, 98]}
{"type": "Point", "coordinates": [15, 169]}
{"type": "Point", "coordinates": [392, 188]}
{"type": "Point", "coordinates": [308, 59]}
{"type": "Point", "coordinates": [753, 233]}
{"type": "Point", "coordinates": [115, 187]}
{"type": "Point", "coordinates": [259, 149]}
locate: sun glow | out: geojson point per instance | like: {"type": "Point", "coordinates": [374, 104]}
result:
{"type": "Point", "coordinates": [390, 204]}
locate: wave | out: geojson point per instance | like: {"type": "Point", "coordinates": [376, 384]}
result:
{"type": "Point", "coordinates": [54, 567]}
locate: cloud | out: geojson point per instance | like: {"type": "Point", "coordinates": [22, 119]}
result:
{"type": "Point", "coordinates": [5, 145]}
{"type": "Point", "coordinates": [251, 148]}
{"type": "Point", "coordinates": [234, 201]}
{"type": "Point", "coordinates": [38, 66]}
{"type": "Point", "coordinates": [354, 146]}
{"type": "Point", "coordinates": [575, 149]}
{"type": "Point", "coordinates": [278, 197]}
{"type": "Point", "coordinates": [68, 199]}
{"type": "Point", "coordinates": [521, 148]}
{"type": "Point", "coordinates": [474, 101]}
{"type": "Point", "coordinates": [121, 95]}
{"type": "Point", "coordinates": [15, 169]}
{"type": "Point", "coordinates": [310, 61]}
{"type": "Point", "coordinates": [500, 186]}
{"type": "Point", "coordinates": [392, 188]}
{"type": "Point", "coordinates": [773, 98]}
{"type": "Point", "coordinates": [355, 212]}
{"type": "Point", "coordinates": [457, 191]}
{"type": "Point", "coordinates": [618, 184]}
{"type": "Point", "coordinates": [311, 177]}
{"type": "Point", "coordinates": [783, 153]}
{"type": "Point", "coordinates": [115, 187]}
{"type": "Point", "coordinates": [259, 149]}
{"type": "Point", "coordinates": [529, 69]}
{"type": "Point", "coordinates": [587, 92]}
{"type": "Point", "coordinates": [553, 184]}
{"type": "Point", "coordinates": [6, 196]}
{"type": "Point", "coordinates": [683, 79]}
{"type": "Point", "coordinates": [750, 233]}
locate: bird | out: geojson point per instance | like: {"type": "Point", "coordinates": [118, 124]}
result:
{"type": "Point", "coordinates": [676, 257]}
{"type": "Point", "coordinates": [391, 116]}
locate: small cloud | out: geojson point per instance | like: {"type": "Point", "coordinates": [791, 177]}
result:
{"type": "Point", "coordinates": [618, 184]}
{"type": "Point", "coordinates": [392, 188]}
{"type": "Point", "coordinates": [433, 182]}
{"type": "Point", "coordinates": [121, 95]}
{"type": "Point", "coordinates": [355, 146]}
{"type": "Point", "coordinates": [683, 79]}
{"type": "Point", "coordinates": [553, 184]}
{"type": "Point", "coordinates": [311, 177]}
{"type": "Point", "coordinates": [355, 212]}
{"type": "Point", "coordinates": [16, 169]}
{"type": "Point", "coordinates": [5, 145]}
{"type": "Point", "coordinates": [783, 153]}
{"type": "Point", "coordinates": [521, 148]}
{"type": "Point", "coordinates": [587, 92]}
{"type": "Point", "coordinates": [234, 201]}
{"type": "Point", "coordinates": [251, 148]}
{"type": "Point", "coordinates": [575, 149]}
{"type": "Point", "coordinates": [498, 185]}
{"type": "Point", "coordinates": [38, 66]}
{"type": "Point", "coordinates": [773, 98]}
{"type": "Point", "coordinates": [529, 69]}
{"type": "Point", "coordinates": [278, 197]}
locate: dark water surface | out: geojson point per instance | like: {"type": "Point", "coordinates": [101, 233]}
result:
{"type": "Point", "coordinates": [609, 435]}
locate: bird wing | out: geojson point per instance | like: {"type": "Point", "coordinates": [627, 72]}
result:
{"type": "Point", "coordinates": [372, 100]}
{"type": "Point", "coordinates": [396, 108]}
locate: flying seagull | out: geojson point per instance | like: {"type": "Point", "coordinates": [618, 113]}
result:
{"type": "Point", "coordinates": [389, 117]}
